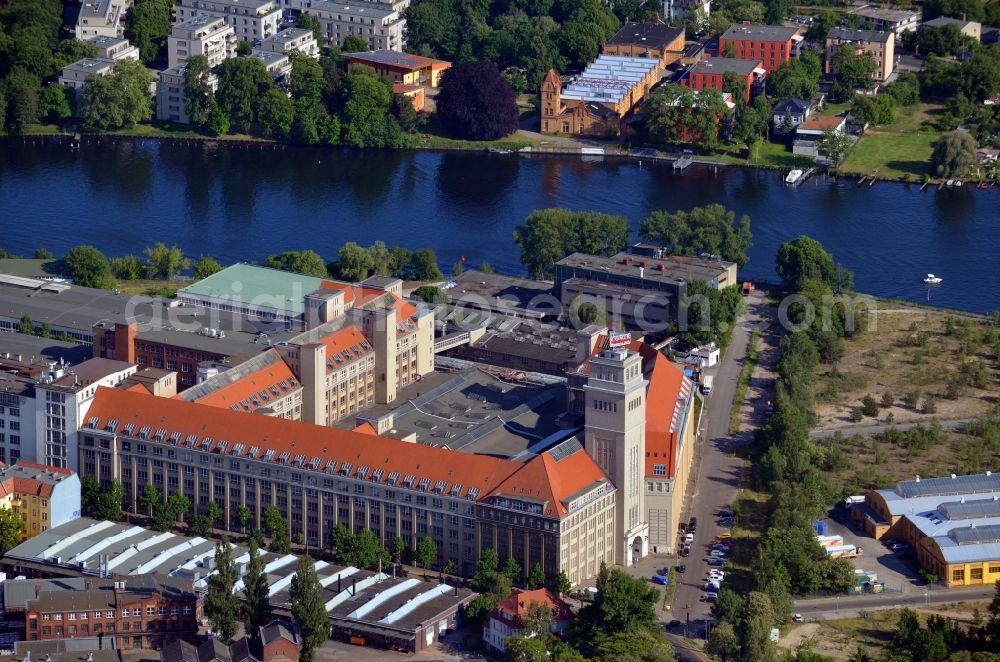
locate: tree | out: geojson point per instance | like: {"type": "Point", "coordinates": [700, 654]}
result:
{"type": "Point", "coordinates": [243, 82]}
{"type": "Point", "coordinates": [475, 102]}
{"type": "Point", "coordinates": [243, 516]}
{"type": "Point", "coordinates": [354, 44]}
{"type": "Point", "coordinates": [644, 644]}
{"type": "Point", "coordinates": [150, 498]}
{"type": "Point", "coordinates": [118, 100]}
{"type": "Point", "coordinates": [88, 267]}
{"type": "Point", "coordinates": [276, 113]}
{"type": "Point", "coordinates": [26, 325]}
{"type": "Point", "coordinates": [368, 119]}
{"type": "Point", "coordinates": [306, 262]}
{"type": "Point", "coordinates": [852, 71]}
{"type": "Point", "coordinates": [308, 610]}
{"type": "Point", "coordinates": [426, 552]}
{"type": "Point", "coordinates": [101, 502]}
{"type": "Point", "coordinates": [147, 24]}
{"type": "Point", "coordinates": [273, 521]}
{"type": "Point", "coordinates": [222, 606]}
{"type": "Point", "coordinates": [536, 577]}
{"type": "Point", "coordinates": [56, 103]}
{"type": "Point", "coordinates": [677, 114]}
{"type": "Point", "coordinates": [244, 48]}
{"type": "Point", "coordinates": [623, 604]}
{"type": "Point", "coordinates": [425, 266]}
{"type": "Point", "coordinates": [756, 621]}
{"type": "Point", "coordinates": [12, 527]}
{"type": "Point", "coordinates": [905, 89]}
{"type": "Point", "coordinates": [198, 99]}
{"type": "Point", "coordinates": [722, 641]}
{"type": "Point", "coordinates": [835, 145]}
{"type": "Point", "coordinates": [795, 79]}
{"type": "Point", "coordinates": [429, 294]}
{"type": "Point", "coordinates": [511, 570]}
{"type": "Point", "coordinates": [523, 648]}
{"type": "Point", "coordinates": [42, 254]}
{"type": "Point", "coordinates": [127, 267]}
{"type": "Point", "coordinates": [306, 78]}
{"type": "Point", "coordinates": [310, 22]}
{"type": "Point", "coordinates": [256, 602]}
{"type": "Point", "coordinates": [954, 154]}
{"type": "Point", "coordinates": [163, 262]}
{"type": "Point", "coordinates": [710, 229]}
{"type": "Point", "coordinates": [205, 267]}
{"type": "Point", "coordinates": [561, 584]}
{"type": "Point", "coordinates": [803, 259]}
{"type": "Point", "coordinates": [821, 24]}
{"type": "Point", "coordinates": [548, 235]}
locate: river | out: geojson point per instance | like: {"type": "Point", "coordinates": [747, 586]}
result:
{"type": "Point", "coordinates": [243, 203]}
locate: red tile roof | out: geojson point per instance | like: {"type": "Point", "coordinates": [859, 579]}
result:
{"type": "Point", "coordinates": [248, 388]}
{"type": "Point", "coordinates": [817, 123]}
{"type": "Point", "coordinates": [41, 486]}
{"type": "Point", "coordinates": [512, 609]}
{"type": "Point", "coordinates": [543, 478]}
{"type": "Point", "coordinates": [345, 340]}
{"type": "Point", "coordinates": [326, 447]}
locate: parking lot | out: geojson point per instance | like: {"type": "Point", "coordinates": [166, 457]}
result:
{"type": "Point", "coordinates": [897, 570]}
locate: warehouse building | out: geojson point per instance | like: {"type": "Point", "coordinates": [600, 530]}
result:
{"type": "Point", "coordinates": [952, 522]}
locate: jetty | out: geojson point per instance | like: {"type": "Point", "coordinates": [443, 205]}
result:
{"type": "Point", "coordinates": [684, 162]}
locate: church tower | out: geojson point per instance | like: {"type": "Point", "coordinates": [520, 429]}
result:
{"type": "Point", "coordinates": [550, 96]}
{"type": "Point", "coordinates": [615, 436]}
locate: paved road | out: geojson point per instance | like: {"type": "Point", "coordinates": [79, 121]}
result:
{"type": "Point", "coordinates": [879, 429]}
{"type": "Point", "coordinates": [717, 478]}
{"type": "Point", "coordinates": [851, 606]}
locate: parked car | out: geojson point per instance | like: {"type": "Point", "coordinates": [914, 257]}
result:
{"type": "Point", "coordinates": [693, 522]}
{"type": "Point", "coordinates": [712, 586]}
{"type": "Point", "coordinates": [717, 553]}
{"type": "Point", "coordinates": [674, 623]}
{"type": "Point", "coordinates": [711, 596]}
{"type": "Point", "coordinates": [717, 561]}
{"type": "Point", "coordinates": [659, 579]}
{"type": "Point", "coordinates": [724, 512]}
{"type": "Point", "coordinates": [681, 569]}
{"type": "Point", "coordinates": [686, 551]}
{"type": "Point", "coordinates": [724, 536]}
{"type": "Point", "coordinates": [797, 618]}
{"type": "Point", "coordinates": [716, 575]}
{"type": "Point", "coordinates": [689, 538]}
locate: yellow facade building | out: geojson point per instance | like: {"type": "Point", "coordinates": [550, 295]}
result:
{"type": "Point", "coordinates": [43, 496]}
{"type": "Point", "coordinates": [953, 523]}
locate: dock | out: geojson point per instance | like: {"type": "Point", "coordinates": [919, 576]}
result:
{"type": "Point", "coordinates": [683, 162]}
{"type": "Point", "coordinates": [803, 177]}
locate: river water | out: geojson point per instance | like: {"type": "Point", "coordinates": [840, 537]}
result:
{"type": "Point", "coordinates": [243, 203]}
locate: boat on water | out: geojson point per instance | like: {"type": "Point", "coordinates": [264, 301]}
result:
{"type": "Point", "coordinates": [793, 176]}
{"type": "Point", "coordinates": [931, 279]}
{"type": "Point", "coordinates": [496, 150]}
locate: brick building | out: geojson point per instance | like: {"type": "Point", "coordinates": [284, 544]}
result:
{"type": "Point", "coordinates": [711, 72]}
{"type": "Point", "coordinates": [139, 611]}
{"type": "Point", "coordinates": [655, 39]}
{"type": "Point", "coordinates": [771, 45]}
{"type": "Point", "coordinates": [880, 45]}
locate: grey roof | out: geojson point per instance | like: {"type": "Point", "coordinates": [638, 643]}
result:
{"type": "Point", "coordinates": [655, 34]}
{"type": "Point", "coordinates": [849, 34]}
{"type": "Point", "coordinates": [277, 630]}
{"type": "Point", "coordinates": [677, 269]}
{"type": "Point", "coordinates": [891, 15]}
{"type": "Point", "coordinates": [942, 21]}
{"type": "Point", "coordinates": [75, 649]}
{"type": "Point", "coordinates": [760, 33]}
{"type": "Point", "coordinates": [947, 486]}
{"type": "Point", "coordinates": [724, 65]}
{"type": "Point", "coordinates": [33, 348]}
{"type": "Point", "coordinates": [790, 106]}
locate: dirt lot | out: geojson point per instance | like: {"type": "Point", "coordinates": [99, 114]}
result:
{"type": "Point", "coordinates": [840, 639]}
{"type": "Point", "coordinates": [909, 350]}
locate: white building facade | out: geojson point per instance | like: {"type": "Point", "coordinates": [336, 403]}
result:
{"type": "Point", "coordinates": [202, 34]}
{"type": "Point", "coordinates": [251, 19]}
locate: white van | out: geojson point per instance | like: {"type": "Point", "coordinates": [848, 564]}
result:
{"type": "Point", "coordinates": [706, 384]}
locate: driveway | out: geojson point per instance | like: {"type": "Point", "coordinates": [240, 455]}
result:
{"type": "Point", "coordinates": [717, 476]}
{"type": "Point", "coordinates": [898, 572]}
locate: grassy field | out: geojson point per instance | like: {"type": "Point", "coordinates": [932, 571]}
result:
{"type": "Point", "coordinates": [901, 150]}
{"type": "Point", "coordinates": [839, 639]}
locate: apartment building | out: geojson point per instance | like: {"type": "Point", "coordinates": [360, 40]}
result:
{"type": "Point", "coordinates": [382, 25]}
{"type": "Point", "coordinates": [291, 39]}
{"type": "Point", "coordinates": [676, 10]}
{"type": "Point", "coordinates": [973, 29]}
{"type": "Point", "coordinates": [76, 75]}
{"type": "Point", "coordinates": [250, 19]}
{"type": "Point", "coordinates": [101, 18]}
{"type": "Point", "coordinates": [880, 19]}
{"type": "Point", "coordinates": [881, 46]}
{"type": "Point", "coordinates": [710, 73]}
{"type": "Point", "coordinates": [141, 611]}
{"type": "Point", "coordinates": [43, 496]}
{"type": "Point", "coordinates": [261, 385]}
{"type": "Point", "coordinates": [114, 48]}
{"type": "Point", "coordinates": [771, 45]}
{"type": "Point", "coordinates": [201, 34]}
{"type": "Point", "coordinates": [279, 65]}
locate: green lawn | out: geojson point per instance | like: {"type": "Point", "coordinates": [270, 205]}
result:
{"type": "Point", "coordinates": [894, 155]}
{"type": "Point", "coordinates": [773, 155]}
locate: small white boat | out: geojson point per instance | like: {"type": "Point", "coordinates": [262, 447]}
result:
{"type": "Point", "coordinates": [931, 279]}
{"type": "Point", "coordinates": [958, 182]}
{"type": "Point", "coordinates": [950, 182]}
{"type": "Point", "coordinates": [793, 176]}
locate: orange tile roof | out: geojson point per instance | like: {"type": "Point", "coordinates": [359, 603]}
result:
{"type": "Point", "coordinates": [513, 608]}
{"type": "Point", "coordinates": [356, 296]}
{"type": "Point", "coordinates": [817, 123]}
{"type": "Point", "coordinates": [250, 386]}
{"type": "Point", "coordinates": [315, 445]}
{"type": "Point", "coordinates": [543, 478]}
{"type": "Point", "coordinates": [345, 340]}
{"type": "Point", "coordinates": [40, 486]}
{"type": "Point", "coordinates": [667, 385]}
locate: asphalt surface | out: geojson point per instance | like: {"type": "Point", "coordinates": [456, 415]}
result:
{"type": "Point", "coordinates": [716, 482]}
{"type": "Point", "coordinates": [816, 609]}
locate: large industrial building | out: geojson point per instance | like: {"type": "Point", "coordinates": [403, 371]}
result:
{"type": "Point", "coordinates": [405, 613]}
{"type": "Point", "coordinates": [952, 522]}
